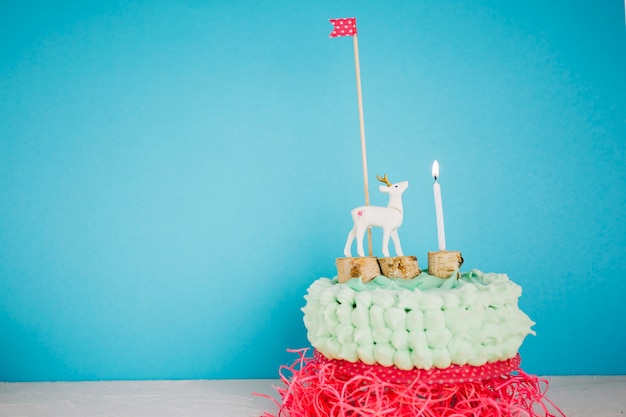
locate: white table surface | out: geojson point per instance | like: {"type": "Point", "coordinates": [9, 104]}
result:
{"type": "Point", "coordinates": [577, 396]}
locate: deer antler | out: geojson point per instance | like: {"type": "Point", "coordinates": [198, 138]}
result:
{"type": "Point", "coordinates": [384, 179]}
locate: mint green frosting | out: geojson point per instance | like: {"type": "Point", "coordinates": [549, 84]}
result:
{"type": "Point", "coordinates": [420, 323]}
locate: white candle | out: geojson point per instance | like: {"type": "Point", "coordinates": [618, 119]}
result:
{"type": "Point", "coordinates": [441, 233]}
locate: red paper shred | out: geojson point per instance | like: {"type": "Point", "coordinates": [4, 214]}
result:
{"type": "Point", "coordinates": [319, 387]}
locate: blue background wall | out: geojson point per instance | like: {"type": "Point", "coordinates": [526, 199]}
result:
{"type": "Point", "coordinates": [173, 175]}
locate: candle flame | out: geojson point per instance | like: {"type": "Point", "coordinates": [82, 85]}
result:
{"type": "Point", "coordinates": [435, 170]}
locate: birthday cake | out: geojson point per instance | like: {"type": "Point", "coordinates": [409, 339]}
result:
{"type": "Point", "coordinates": [401, 342]}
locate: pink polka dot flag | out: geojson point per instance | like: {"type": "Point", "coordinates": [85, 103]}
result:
{"type": "Point", "coordinates": [343, 27]}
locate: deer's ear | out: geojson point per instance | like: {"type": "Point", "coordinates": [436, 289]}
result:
{"type": "Point", "coordinates": [383, 188]}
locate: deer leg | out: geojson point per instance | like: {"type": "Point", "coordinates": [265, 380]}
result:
{"type": "Point", "coordinates": [396, 243]}
{"type": "Point", "coordinates": [385, 243]}
{"type": "Point", "coordinates": [347, 249]}
{"type": "Point", "coordinates": [360, 233]}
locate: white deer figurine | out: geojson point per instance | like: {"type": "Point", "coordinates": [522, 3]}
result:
{"type": "Point", "coordinates": [388, 218]}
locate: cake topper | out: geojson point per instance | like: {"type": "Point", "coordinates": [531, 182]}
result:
{"type": "Point", "coordinates": [442, 263]}
{"type": "Point", "coordinates": [341, 28]}
{"type": "Point", "coordinates": [441, 234]}
{"type": "Point", "coordinates": [388, 218]}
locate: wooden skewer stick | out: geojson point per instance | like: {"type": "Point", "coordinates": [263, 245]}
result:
{"type": "Point", "coordinates": [362, 126]}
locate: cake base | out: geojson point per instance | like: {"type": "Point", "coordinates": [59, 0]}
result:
{"type": "Point", "coordinates": [444, 264]}
{"type": "Point", "coordinates": [318, 387]}
{"type": "Point", "coordinates": [364, 267]}
{"type": "Point", "coordinates": [404, 267]}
